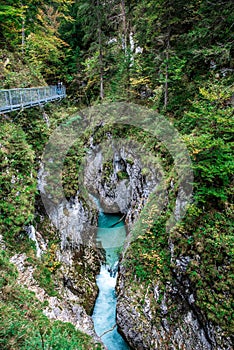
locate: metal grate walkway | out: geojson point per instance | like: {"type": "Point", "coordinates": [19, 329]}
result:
{"type": "Point", "coordinates": [17, 99]}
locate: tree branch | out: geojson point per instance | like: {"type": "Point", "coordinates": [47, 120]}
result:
{"type": "Point", "coordinates": [109, 330]}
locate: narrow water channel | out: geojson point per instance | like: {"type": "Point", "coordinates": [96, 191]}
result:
{"type": "Point", "coordinates": [104, 314]}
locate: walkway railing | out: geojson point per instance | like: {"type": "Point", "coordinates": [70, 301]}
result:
{"type": "Point", "coordinates": [17, 99]}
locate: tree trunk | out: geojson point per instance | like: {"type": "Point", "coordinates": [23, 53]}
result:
{"type": "Point", "coordinates": [166, 83]}
{"type": "Point", "coordinates": [126, 46]}
{"type": "Point", "coordinates": [101, 71]}
{"type": "Point", "coordinates": [125, 29]}
{"type": "Point", "coordinates": [22, 33]}
{"type": "Point", "coordinates": [166, 73]}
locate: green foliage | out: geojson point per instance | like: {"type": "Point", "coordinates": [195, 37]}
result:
{"type": "Point", "coordinates": [107, 171]}
{"type": "Point", "coordinates": [206, 233]}
{"type": "Point", "coordinates": [36, 130]}
{"type": "Point", "coordinates": [208, 131]}
{"type": "Point", "coordinates": [46, 268]}
{"type": "Point", "coordinates": [185, 57]}
{"type": "Point", "coordinates": [18, 171]}
{"type": "Point", "coordinates": [39, 41]}
{"type": "Point", "coordinates": [17, 181]}
{"type": "Point", "coordinates": [44, 47]}
{"type": "Point", "coordinates": [71, 168]}
{"type": "Point", "coordinates": [33, 123]}
{"type": "Point", "coordinates": [8, 270]}
{"type": "Point", "coordinates": [149, 255]}
{"type": "Point", "coordinates": [122, 175]}
{"type": "Point", "coordinates": [11, 13]}
{"type": "Point", "coordinates": [23, 324]}
{"type": "Point", "coordinates": [43, 276]}
{"type": "Point", "coordinates": [14, 73]}
{"type": "Point", "coordinates": [209, 236]}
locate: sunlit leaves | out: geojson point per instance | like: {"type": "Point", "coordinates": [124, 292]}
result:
{"type": "Point", "coordinates": [17, 181]}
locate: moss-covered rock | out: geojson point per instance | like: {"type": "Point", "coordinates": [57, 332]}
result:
{"type": "Point", "coordinates": [23, 322]}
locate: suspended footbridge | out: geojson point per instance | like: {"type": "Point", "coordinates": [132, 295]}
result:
{"type": "Point", "coordinates": [18, 99]}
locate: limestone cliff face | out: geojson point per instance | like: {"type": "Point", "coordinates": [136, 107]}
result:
{"type": "Point", "coordinates": [123, 189]}
{"type": "Point", "coordinates": [74, 267]}
{"type": "Point", "coordinates": [75, 219]}
{"type": "Point", "coordinates": [64, 307]}
{"type": "Point", "coordinates": [162, 313]}
{"type": "Point", "coordinates": [119, 182]}
{"type": "Point", "coordinates": [165, 312]}
{"type": "Point", "coordinates": [157, 316]}
{"type": "Point", "coordinates": [74, 226]}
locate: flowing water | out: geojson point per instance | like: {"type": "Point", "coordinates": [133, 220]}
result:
{"type": "Point", "coordinates": [104, 313]}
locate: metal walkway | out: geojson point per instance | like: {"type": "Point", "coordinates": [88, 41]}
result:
{"type": "Point", "coordinates": [17, 99]}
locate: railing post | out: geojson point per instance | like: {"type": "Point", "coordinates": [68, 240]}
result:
{"type": "Point", "coordinates": [21, 98]}
{"type": "Point", "coordinates": [7, 101]}
{"type": "Point", "coordinates": [10, 99]}
{"type": "Point", "coordinates": [38, 96]}
{"type": "Point", "coordinates": [30, 96]}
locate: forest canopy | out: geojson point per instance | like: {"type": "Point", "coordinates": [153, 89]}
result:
{"type": "Point", "coordinates": [146, 51]}
{"type": "Point", "coordinates": [173, 56]}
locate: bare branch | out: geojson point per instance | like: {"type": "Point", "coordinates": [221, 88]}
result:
{"type": "Point", "coordinates": [109, 330]}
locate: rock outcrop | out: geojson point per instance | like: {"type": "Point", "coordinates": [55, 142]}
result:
{"type": "Point", "coordinates": [119, 181]}
{"type": "Point", "coordinates": [75, 219]}
{"type": "Point", "coordinates": [163, 314]}
{"type": "Point", "coordinates": [75, 222]}
{"type": "Point", "coordinates": [64, 307]}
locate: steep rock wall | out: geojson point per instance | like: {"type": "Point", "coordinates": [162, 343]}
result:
{"type": "Point", "coordinates": [119, 181]}
{"type": "Point", "coordinates": [74, 226]}
{"type": "Point", "coordinates": [123, 189]}
{"type": "Point", "coordinates": [64, 307]}
{"type": "Point", "coordinates": [157, 316]}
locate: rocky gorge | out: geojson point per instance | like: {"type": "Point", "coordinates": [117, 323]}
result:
{"type": "Point", "coordinates": [116, 114]}
{"type": "Point", "coordinates": [162, 312]}
{"type": "Point", "coordinates": [75, 222]}
{"type": "Point", "coordinates": [159, 299]}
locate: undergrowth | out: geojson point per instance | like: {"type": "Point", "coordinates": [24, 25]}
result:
{"type": "Point", "coordinates": [23, 324]}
